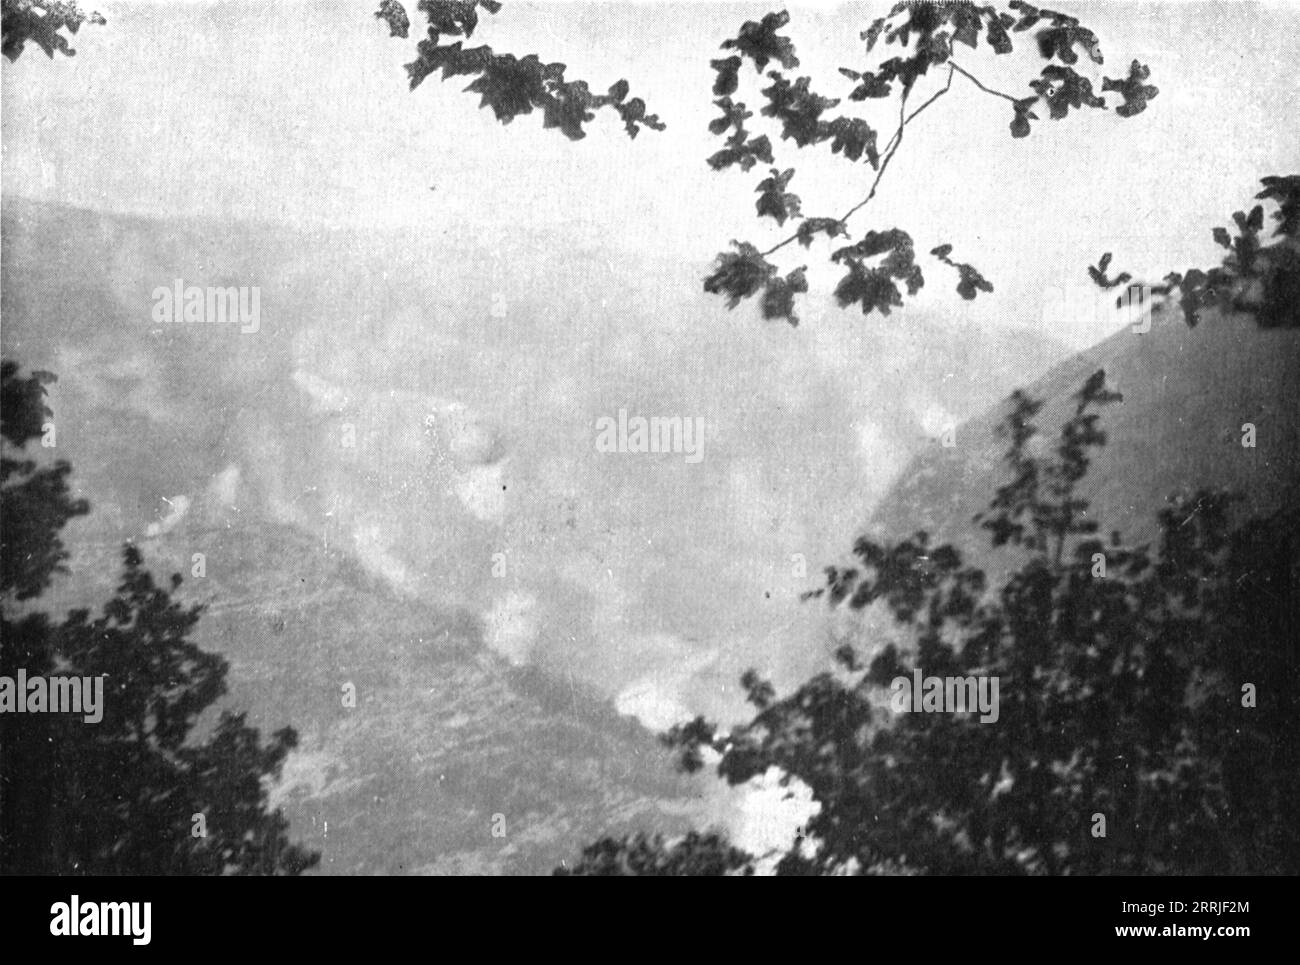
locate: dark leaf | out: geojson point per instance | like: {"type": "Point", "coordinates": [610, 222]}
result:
{"type": "Point", "coordinates": [1097, 273]}
{"type": "Point", "coordinates": [394, 14]}
{"type": "Point", "coordinates": [875, 243]}
{"type": "Point", "coordinates": [761, 43]}
{"type": "Point", "coordinates": [739, 274]}
{"type": "Point", "coordinates": [798, 109]}
{"type": "Point", "coordinates": [998, 37]}
{"type": "Point", "coordinates": [1286, 192]}
{"type": "Point", "coordinates": [1060, 41]}
{"type": "Point", "coordinates": [511, 87]}
{"type": "Point", "coordinates": [872, 86]}
{"type": "Point", "coordinates": [1133, 89]}
{"type": "Point", "coordinates": [872, 288]}
{"type": "Point", "coordinates": [966, 24]}
{"type": "Point", "coordinates": [872, 33]}
{"type": "Point", "coordinates": [970, 281]}
{"type": "Point", "coordinates": [733, 115]}
{"type": "Point", "coordinates": [773, 199]}
{"type": "Point", "coordinates": [454, 18]}
{"type": "Point", "coordinates": [854, 137]}
{"type": "Point", "coordinates": [1023, 115]}
{"type": "Point", "coordinates": [1063, 88]}
{"type": "Point", "coordinates": [568, 108]}
{"type": "Point", "coordinates": [746, 155]}
{"type": "Point", "coordinates": [831, 227]}
{"type": "Point", "coordinates": [728, 78]}
{"type": "Point", "coordinates": [635, 117]}
{"type": "Point", "coordinates": [778, 296]}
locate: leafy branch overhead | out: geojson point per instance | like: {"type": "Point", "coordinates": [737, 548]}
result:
{"type": "Point", "coordinates": [40, 22]}
{"type": "Point", "coordinates": [745, 272]}
{"type": "Point", "coordinates": [928, 35]}
{"type": "Point", "coordinates": [510, 86]}
{"type": "Point", "coordinates": [874, 287]}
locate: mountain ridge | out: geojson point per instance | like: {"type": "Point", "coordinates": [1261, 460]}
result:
{"type": "Point", "coordinates": [1186, 394]}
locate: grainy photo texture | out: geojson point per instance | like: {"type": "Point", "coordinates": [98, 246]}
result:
{"type": "Point", "coordinates": [463, 437]}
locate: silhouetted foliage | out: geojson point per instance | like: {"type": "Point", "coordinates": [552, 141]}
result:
{"type": "Point", "coordinates": [928, 35]}
{"type": "Point", "coordinates": [1264, 281]}
{"type": "Point", "coordinates": [40, 22]}
{"type": "Point", "coordinates": [1122, 692]}
{"type": "Point", "coordinates": [702, 855]}
{"type": "Point", "coordinates": [121, 795]}
{"type": "Point", "coordinates": [507, 84]}
{"type": "Point", "coordinates": [34, 500]}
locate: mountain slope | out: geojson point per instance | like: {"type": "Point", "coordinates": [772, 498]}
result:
{"type": "Point", "coordinates": [445, 734]}
{"type": "Point", "coordinates": [1187, 393]}
{"type": "Point", "coordinates": [477, 696]}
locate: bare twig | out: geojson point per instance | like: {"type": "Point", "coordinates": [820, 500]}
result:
{"type": "Point", "coordinates": [891, 148]}
{"type": "Point", "coordinates": [895, 142]}
{"type": "Point", "coordinates": [976, 81]}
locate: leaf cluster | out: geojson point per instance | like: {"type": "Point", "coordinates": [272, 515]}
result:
{"type": "Point", "coordinates": [41, 22]}
{"type": "Point", "coordinates": [119, 796]}
{"type": "Point", "coordinates": [1120, 692]}
{"type": "Point", "coordinates": [508, 85]}
{"type": "Point", "coordinates": [927, 34]}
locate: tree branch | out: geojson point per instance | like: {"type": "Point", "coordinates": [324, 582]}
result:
{"type": "Point", "coordinates": [891, 149]}
{"type": "Point", "coordinates": [976, 81]}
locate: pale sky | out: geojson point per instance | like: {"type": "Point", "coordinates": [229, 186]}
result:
{"type": "Point", "coordinates": [296, 111]}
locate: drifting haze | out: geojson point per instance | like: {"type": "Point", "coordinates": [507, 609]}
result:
{"type": "Point", "coordinates": [471, 299]}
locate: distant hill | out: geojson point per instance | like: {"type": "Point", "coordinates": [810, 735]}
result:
{"type": "Point", "coordinates": [446, 734]}
{"type": "Point", "coordinates": [192, 440]}
{"type": "Point", "coordinates": [1187, 392]}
